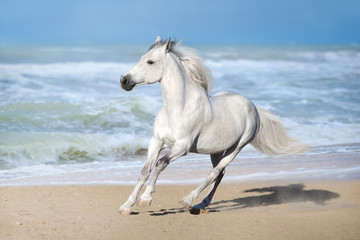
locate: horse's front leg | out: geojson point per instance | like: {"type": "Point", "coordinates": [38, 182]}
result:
{"type": "Point", "coordinates": [153, 153]}
{"type": "Point", "coordinates": [177, 151]}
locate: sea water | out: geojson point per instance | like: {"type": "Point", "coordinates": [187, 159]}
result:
{"type": "Point", "coordinates": [65, 119]}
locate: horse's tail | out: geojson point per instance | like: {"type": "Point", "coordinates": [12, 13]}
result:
{"type": "Point", "coordinates": [272, 139]}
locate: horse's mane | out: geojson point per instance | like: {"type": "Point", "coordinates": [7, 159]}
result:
{"type": "Point", "coordinates": [192, 63]}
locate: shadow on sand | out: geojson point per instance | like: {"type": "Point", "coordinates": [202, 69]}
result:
{"type": "Point", "coordinates": [272, 196]}
{"type": "Point", "coordinates": [276, 195]}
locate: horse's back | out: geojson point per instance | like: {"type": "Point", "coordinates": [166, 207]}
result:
{"type": "Point", "coordinates": [232, 102]}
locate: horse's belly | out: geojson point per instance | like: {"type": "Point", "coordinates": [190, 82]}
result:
{"type": "Point", "coordinates": [222, 134]}
{"type": "Point", "coordinates": [215, 141]}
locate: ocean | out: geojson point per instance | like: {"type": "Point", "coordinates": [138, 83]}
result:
{"type": "Point", "coordinates": [65, 120]}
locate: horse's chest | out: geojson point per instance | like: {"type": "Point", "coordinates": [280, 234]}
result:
{"type": "Point", "coordinates": [171, 128]}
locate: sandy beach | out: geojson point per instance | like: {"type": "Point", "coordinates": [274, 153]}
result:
{"type": "Point", "coordinates": [248, 210]}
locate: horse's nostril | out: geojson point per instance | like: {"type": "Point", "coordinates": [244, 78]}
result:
{"type": "Point", "coordinates": [125, 80]}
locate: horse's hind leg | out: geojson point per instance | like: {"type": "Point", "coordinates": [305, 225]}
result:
{"type": "Point", "coordinates": [230, 154]}
{"type": "Point", "coordinates": [215, 159]}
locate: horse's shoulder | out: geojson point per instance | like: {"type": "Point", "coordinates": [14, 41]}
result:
{"type": "Point", "coordinates": [161, 116]}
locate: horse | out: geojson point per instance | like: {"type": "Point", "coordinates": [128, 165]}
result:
{"type": "Point", "coordinates": [191, 120]}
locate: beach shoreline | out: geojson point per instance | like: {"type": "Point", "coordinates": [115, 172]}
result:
{"type": "Point", "coordinates": [271, 209]}
{"type": "Point", "coordinates": [330, 162]}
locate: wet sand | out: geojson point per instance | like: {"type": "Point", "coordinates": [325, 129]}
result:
{"type": "Point", "coordinates": [248, 210]}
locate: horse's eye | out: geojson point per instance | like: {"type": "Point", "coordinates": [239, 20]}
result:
{"type": "Point", "coordinates": [150, 62]}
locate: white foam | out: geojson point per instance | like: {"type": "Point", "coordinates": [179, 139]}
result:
{"type": "Point", "coordinates": [31, 149]}
{"type": "Point", "coordinates": [62, 81]}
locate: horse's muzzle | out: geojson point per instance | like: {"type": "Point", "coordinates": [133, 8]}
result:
{"type": "Point", "coordinates": [126, 82]}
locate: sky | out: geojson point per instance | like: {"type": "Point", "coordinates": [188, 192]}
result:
{"type": "Point", "coordinates": [80, 22]}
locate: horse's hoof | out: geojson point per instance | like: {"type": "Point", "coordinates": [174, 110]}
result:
{"type": "Point", "coordinates": [197, 211]}
{"type": "Point", "coordinates": [142, 203]}
{"type": "Point", "coordinates": [124, 211]}
{"type": "Point", "coordinates": [185, 203]}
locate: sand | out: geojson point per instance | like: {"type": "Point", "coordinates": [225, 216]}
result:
{"type": "Point", "coordinates": [248, 210]}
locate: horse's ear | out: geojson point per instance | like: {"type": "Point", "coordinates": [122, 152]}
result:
{"type": "Point", "coordinates": [158, 39]}
{"type": "Point", "coordinates": [168, 45]}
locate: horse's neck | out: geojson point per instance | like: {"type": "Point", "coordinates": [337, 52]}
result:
{"type": "Point", "coordinates": [178, 92]}
{"type": "Point", "coordinates": [173, 86]}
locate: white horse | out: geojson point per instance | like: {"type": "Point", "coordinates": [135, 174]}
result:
{"type": "Point", "coordinates": [192, 121]}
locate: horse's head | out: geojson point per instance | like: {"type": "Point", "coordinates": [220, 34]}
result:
{"type": "Point", "coordinates": [149, 69]}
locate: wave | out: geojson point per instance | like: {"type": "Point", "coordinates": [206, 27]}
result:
{"type": "Point", "coordinates": [36, 148]}
{"type": "Point", "coordinates": [60, 133]}
{"type": "Point", "coordinates": [70, 81]}
{"type": "Point", "coordinates": [68, 112]}
{"type": "Point", "coordinates": [27, 149]}
{"type": "Point", "coordinates": [341, 53]}
{"type": "Point", "coordinates": [108, 116]}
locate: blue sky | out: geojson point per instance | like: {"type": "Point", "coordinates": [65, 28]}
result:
{"type": "Point", "coordinates": [81, 22]}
